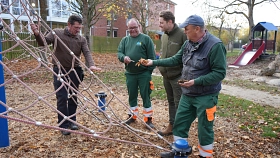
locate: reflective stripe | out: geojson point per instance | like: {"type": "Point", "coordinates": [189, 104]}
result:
{"type": "Point", "coordinates": [148, 109]}
{"type": "Point", "coordinates": [148, 112]}
{"type": "Point", "coordinates": [134, 110]}
{"type": "Point", "coordinates": [206, 151]}
{"type": "Point", "coordinates": [177, 137]}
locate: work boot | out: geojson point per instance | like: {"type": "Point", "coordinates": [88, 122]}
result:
{"type": "Point", "coordinates": [130, 120]}
{"type": "Point", "coordinates": [74, 127]}
{"type": "Point", "coordinates": [65, 133]}
{"type": "Point", "coordinates": [167, 131]}
{"type": "Point", "coordinates": [167, 154]}
{"type": "Point", "coordinates": [149, 122]}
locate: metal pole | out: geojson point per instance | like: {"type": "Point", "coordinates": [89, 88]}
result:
{"type": "Point", "coordinates": [4, 133]}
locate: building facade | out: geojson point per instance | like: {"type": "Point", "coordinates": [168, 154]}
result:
{"type": "Point", "coordinates": [58, 12]}
{"type": "Point", "coordinates": [154, 7]}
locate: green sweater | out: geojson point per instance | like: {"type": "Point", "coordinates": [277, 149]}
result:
{"type": "Point", "coordinates": [136, 48]}
{"type": "Point", "coordinates": [171, 42]}
{"type": "Point", "coordinates": [217, 61]}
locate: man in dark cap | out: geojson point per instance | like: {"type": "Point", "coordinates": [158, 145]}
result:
{"type": "Point", "coordinates": [204, 67]}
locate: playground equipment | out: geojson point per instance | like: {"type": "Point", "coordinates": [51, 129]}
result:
{"type": "Point", "coordinates": [30, 100]}
{"type": "Point", "coordinates": [4, 133]}
{"type": "Point", "coordinates": [258, 46]}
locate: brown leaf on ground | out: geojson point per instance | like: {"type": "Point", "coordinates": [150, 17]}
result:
{"type": "Point", "coordinates": [37, 142]}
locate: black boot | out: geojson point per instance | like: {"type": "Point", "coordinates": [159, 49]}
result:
{"type": "Point", "coordinates": [149, 122]}
{"type": "Point", "coordinates": [130, 120]}
{"type": "Point", "coordinates": [167, 154]}
{"type": "Point", "coordinates": [203, 157]}
{"type": "Point", "coordinates": [73, 126]}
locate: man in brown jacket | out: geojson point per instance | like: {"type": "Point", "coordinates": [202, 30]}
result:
{"type": "Point", "coordinates": [62, 63]}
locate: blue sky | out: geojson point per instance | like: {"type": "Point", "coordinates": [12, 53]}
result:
{"type": "Point", "coordinates": [266, 12]}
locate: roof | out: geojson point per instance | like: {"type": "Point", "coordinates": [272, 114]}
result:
{"type": "Point", "coordinates": [169, 1]}
{"type": "Point", "coordinates": [261, 26]}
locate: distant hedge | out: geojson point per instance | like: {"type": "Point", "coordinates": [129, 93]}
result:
{"type": "Point", "coordinates": [110, 45]}
{"type": "Point", "coordinates": [97, 44]}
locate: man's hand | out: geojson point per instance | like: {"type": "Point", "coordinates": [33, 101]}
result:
{"type": "Point", "coordinates": [35, 29]}
{"type": "Point", "coordinates": [187, 83]}
{"type": "Point", "coordinates": [94, 68]}
{"type": "Point", "coordinates": [127, 60]}
{"type": "Point", "coordinates": [148, 62]}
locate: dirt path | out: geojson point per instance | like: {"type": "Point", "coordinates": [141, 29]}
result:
{"type": "Point", "coordinates": [256, 96]}
{"type": "Point", "coordinates": [261, 97]}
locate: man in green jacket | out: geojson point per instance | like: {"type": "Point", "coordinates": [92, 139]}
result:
{"type": "Point", "coordinates": [204, 67]}
{"type": "Point", "coordinates": [131, 49]}
{"type": "Point", "coordinates": [171, 42]}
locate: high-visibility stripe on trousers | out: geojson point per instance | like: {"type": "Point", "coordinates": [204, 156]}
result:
{"type": "Point", "coordinates": [147, 112]}
{"type": "Point", "coordinates": [135, 112]}
{"type": "Point", "coordinates": [206, 150]}
{"type": "Point", "coordinates": [177, 137]}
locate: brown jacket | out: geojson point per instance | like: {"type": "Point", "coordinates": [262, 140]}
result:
{"type": "Point", "coordinates": [76, 43]}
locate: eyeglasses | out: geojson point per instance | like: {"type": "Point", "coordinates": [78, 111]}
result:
{"type": "Point", "coordinates": [133, 28]}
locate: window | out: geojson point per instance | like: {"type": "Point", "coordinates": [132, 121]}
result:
{"type": "Point", "coordinates": [17, 26]}
{"type": "Point", "coordinates": [60, 8]}
{"type": "Point", "coordinates": [108, 33]}
{"type": "Point", "coordinates": [35, 5]}
{"type": "Point", "coordinates": [5, 4]}
{"type": "Point", "coordinates": [115, 33]}
{"type": "Point", "coordinates": [115, 17]}
{"type": "Point", "coordinates": [108, 22]}
{"type": "Point", "coordinates": [129, 15]}
{"type": "Point", "coordinates": [17, 7]}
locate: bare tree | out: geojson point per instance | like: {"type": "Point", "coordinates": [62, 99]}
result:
{"type": "Point", "coordinates": [114, 9]}
{"type": "Point", "coordinates": [145, 10]}
{"type": "Point", "coordinates": [43, 11]}
{"type": "Point", "coordinates": [244, 8]}
{"type": "Point", "coordinates": [89, 10]}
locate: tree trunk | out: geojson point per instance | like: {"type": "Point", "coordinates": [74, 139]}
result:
{"type": "Point", "coordinates": [111, 34]}
{"type": "Point", "coordinates": [86, 29]}
{"type": "Point", "coordinates": [43, 13]}
{"type": "Point", "coordinates": [250, 17]}
{"type": "Point", "coordinates": [112, 28]}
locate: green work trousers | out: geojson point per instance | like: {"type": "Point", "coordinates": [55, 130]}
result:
{"type": "Point", "coordinates": [191, 107]}
{"type": "Point", "coordinates": [142, 82]}
{"type": "Point", "coordinates": [173, 91]}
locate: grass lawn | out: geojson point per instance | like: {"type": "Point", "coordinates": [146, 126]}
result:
{"type": "Point", "coordinates": [251, 116]}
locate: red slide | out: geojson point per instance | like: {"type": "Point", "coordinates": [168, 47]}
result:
{"type": "Point", "coordinates": [248, 56]}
